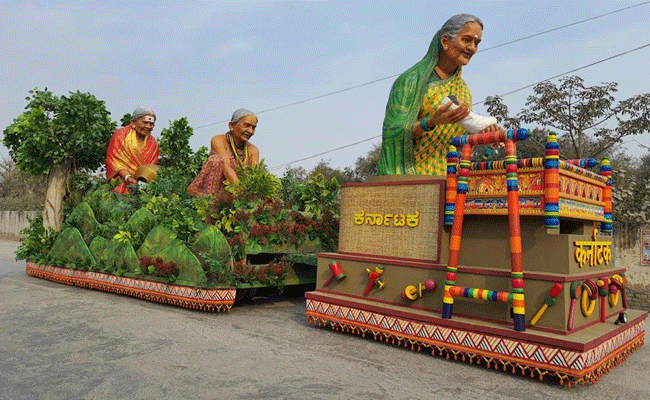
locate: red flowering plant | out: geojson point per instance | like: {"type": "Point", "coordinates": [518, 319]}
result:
{"type": "Point", "coordinates": [157, 267]}
{"type": "Point", "coordinates": [255, 219]}
{"type": "Point", "coordinates": [271, 274]}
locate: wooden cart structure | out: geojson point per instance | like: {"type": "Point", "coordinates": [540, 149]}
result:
{"type": "Point", "coordinates": [504, 263]}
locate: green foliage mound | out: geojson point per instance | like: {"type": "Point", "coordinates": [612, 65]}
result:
{"type": "Point", "coordinates": [83, 218]}
{"type": "Point", "coordinates": [159, 232]}
{"type": "Point", "coordinates": [70, 249]}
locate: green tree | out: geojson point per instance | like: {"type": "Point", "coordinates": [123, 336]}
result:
{"type": "Point", "coordinates": [588, 120]}
{"type": "Point", "coordinates": [365, 167]}
{"type": "Point", "coordinates": [292, 183]}
{"type": "Point", "coordinates": [175, 150]}
{"type": "Point", "coordinates": [57, 135]}
{"type": "Point", "coordinates": [631, 190]}
{"type": "Point", "coordinates": [18, 190]}
{"type": "Point", "coordinates": [179, 164]}
{"type": "Point", "coordinates": [126, 119]}
{"type": "Point", "coordinates": [323, 168]}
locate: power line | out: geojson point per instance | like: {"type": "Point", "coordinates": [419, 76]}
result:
{"type": "Point", "coordinates": [477, 103]}
{"type": "Point", "coordinates": [565, 26]}
{"type": "Point", "coordinates": [323, 153]}
{"type": "Point", "coordinates": [306, 100]}
{"type": "Point", "coordinates": [395, 75]}
{"type": "Point", "coordinates": [568, 72]}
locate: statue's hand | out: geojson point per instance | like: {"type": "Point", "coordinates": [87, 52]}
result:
{"type": "Point", "coordinates": [446, 115]}
{"type": "Point", "coordinates": [492, 128]}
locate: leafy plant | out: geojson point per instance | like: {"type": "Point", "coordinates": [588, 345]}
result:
{"type": "Point", "coordinates": [180, 163]}
{"type": "Point", "coordinates": [36, 240]}
{"type": "Point", "coordinates": [55, 136]}
{"type": "Point", "coordinates": [271, 274]}
{"type": "Point", "coordinates": [177, 213]}
{"type": "Point", "coordinates": [319, 195]}
{"type": "Point", "coordinates": [255, 181]}
{"type": "Point", "coordinates": [157, 267]}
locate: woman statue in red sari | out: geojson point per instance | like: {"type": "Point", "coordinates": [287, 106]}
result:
{"type": "Point", "coordinates": [131, 148]}
{"type": "Point", "coordinates": [227, 152]}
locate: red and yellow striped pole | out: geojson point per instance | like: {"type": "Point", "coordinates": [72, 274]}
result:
{"type": "Point", "coordinates": [516, 260]}
{"type": "Point", "coordinates": [603, 291]}
{"type": "Point", "coordinates": [456, 230]}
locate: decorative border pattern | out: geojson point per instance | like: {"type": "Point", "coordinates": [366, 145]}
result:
{"type": "Point", "coordinates": [490, 205]}
{"type": "Point", "coordinates": [569, 366]}
{"type": "Point", "coordinates": [211, 300]}
{"type": "Point", "coordinates": [572, 208]}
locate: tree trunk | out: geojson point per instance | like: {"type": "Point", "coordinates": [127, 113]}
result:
{"type": "Point", "coordinates": [56, 183]}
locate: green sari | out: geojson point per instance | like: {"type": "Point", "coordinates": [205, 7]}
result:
{"type": "Point", "coordinates": [402, 111]}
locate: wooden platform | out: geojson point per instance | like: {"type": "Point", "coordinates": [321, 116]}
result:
{"type": "Point", "coordinates": [581, 357]}
{"type": "Point", "coordinates": [467, 268]}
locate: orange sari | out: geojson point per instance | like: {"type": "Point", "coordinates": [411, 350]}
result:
{"type": "Point", "coordinates": [124, 152]}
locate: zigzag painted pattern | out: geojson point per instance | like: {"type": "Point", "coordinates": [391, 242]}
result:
{"type": "Point", "coordinates": [472, 341]}
{"type": "Point", "coordinates": [194, 294]}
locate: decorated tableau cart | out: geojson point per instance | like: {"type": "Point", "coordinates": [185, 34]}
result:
{"type": "Point", "coordinates": [507, 264]}
{"type": "Point", "coordinates": [189, 252]}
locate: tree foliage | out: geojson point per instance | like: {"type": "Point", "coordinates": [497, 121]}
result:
{"type": "Point", "coordinates": [176, 155]}
{"type": "Point", "coordinates": [20, 191]}
{"type": "Point", "coordinates": [55, 129]}
{"type": "Point", "coordinates": [588, 120]}
{"type": "Point", "coordinates": [367, 166]}
{"type": "Point", "coordinates": [631, 190]}
{"type": "Point", "coordinates": [590, 123]}
{"type": "Point", "coordinates": [57, 135]}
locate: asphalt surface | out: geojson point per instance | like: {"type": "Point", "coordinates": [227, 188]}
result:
{"type": "Point", "coordinates": [62, 342]}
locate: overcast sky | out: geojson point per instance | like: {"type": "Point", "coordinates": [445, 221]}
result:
{"type": "Point", "coordinates": [204, 59]}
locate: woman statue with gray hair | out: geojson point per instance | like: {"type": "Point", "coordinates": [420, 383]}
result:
{"type": "Point", "coordinates": [131, 148]}
{"type": "Point", "coordinates": [227, 152]}
{"type": "Point", "coordinates": [419, 125]}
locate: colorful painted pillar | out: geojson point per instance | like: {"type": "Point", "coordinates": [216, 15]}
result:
{"type": "Point", "coordinates": [457, 226]}
{"type": "Point", "coordinates": [452, 179]}
{"type": "Point", "coordinates": [606, 170]}
{"type": "Point", "coordinates": [552, 184]}
{"type": "Point", "coordinates": [516, 260]}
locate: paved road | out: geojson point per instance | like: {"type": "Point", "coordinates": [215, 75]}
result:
{"type": "Point", "coordinates": [62, 342]}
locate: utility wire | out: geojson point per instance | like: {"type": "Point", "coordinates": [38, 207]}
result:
{"type": "Point", "coordinates": [565, 26]}
{"type": "Point", "coordinates": [569, 72]}
{"type": "Point", "coordinates": [395, 75]}
{"type": "Point", "coordinates": [306, 100]}
{"type": "Point", "coordinates": [323, 153]}
{"type": "Point", "coordinates": [477, 103]}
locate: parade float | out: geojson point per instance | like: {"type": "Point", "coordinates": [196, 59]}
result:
{"type": "Point", "coordinates": [160, 245]}
{"type": "Point", "coordinates": [507, 264]}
